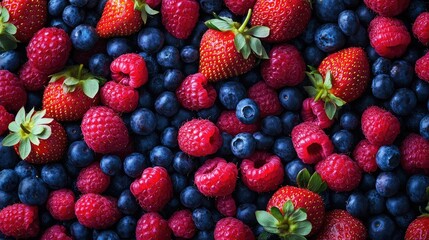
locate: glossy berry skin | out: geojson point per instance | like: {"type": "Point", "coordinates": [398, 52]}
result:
{"type": "Point", "coordinates": [357, 205]}
{"type": "Point", "coordinates": [92, 180]}
{"type": "Point", "coordinates": [153, 189]}
{"type": "Point", "coordinates": [314, 111]}
{"type": "Point", "coordinates": [262, 172]}
{"type": "Point", "coordinates": [381, 227]}
{"type": "Point", "coordinates": [61, 204]}
{"type": "Point", "coordinates": [266, 98]}
{"type": "Point", "coordinates": [389, 37]}
{"type": "Point", "coordinates": [348, 21]}
{"type": "Point", "coordinates": [5, 119]}
{"type": "Point", "coordinates": [179, 17]}
{"type": "Point", "coordinates": [226, 206]}
{"type": "Point", "coordinates": [343, 141]}
{"type": "Point", "coordinates": [129, 70]}
{"type": "Point", "coordinates": [231, 228]}
{"type": "Point", "coordinates": [388, 158]}
{"type": "Point", "coordinates": [12, 92]}
{"type": "Point", "coordinates": [181, 224]}
{"type": "Point", "coordinates": [286, 67]}
{"type": "Point", "coordinates": [416, 188]}
{"type": "Point", "coordinates": [195, 93]}
{"type": "Point", "coordinates": [152, 226]}
{"type": "Point", "coordinates": [19, 221]}
{"type": "Point", "coordinates": [382, 86]}
{"type": "Point", "coordinates": [199, 138]}
{"type": "Point", "coordinates": [329, 38]}
{"type": "Point", "coordinates": [339, 224]}
{"type": "Point", "coordinates": [418, 229]}
{"type": "Point", "coordinates": [229, 123]}
{"type": "Point", "coordinates": [414, 153]}
{"type": "Point", "coordinates": [421, 67]}
{"type": "Point", "coordinates": [421, 29]}
{"type": "Point", "coordinates": [55, 232]}
{"type": "Point", "coordinates": [32, 78]}
{"type": "Point", "coordinates": [387, 8]}
{"type": "Point", "coordinates": [239, 7]}
{"type": "Point", "coordinates": [216, 178]}
{"type": "Point", "coordinates": [84, 37]}
{"type": "Point", "coordinates": [247, 111]}
{"type": "Point", "coordinates": [97, 211]}
{"type": "Point", "coordinates": [365, 156]}
{"type": "Point", "coordinates": [230, 93]}
{"type": "Point", "coordinates": [379, 126]}
{"type": "Point", "coordinates": [339, 172]}
{"type": "Point", "coordinates": [387, 184]}
{"type": "Point", "coordinates": [120, 98]}
{"type": "Point", "coordinates": [243, 145]}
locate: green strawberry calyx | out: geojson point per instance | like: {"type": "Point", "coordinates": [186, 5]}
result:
{"type": "Point", "coordinates": [144, 8]}
{"type": "Point", "coordinates": [246, 40]}
{"type": "Point", "coordinates": [321, 90]}
{"type": "Point", "coordinates": [78, 77]}
{"type": "Point", "coordinates": [312, 182]}
{"type": "Point", "coordinates": [7, 31]}
{"type": "Point", "coordinates": [28, 129]}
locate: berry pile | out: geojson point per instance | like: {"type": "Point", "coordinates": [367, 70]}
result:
{"type": "Point", "coordinates": [214, 119]}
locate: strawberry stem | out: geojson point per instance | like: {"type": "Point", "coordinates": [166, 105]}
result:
{"type": "Point", "coordinates": [246, 21]}
{"type": "Point", "coordinates": [79, 71]}
{"type": "Point", "coordinates": [24, 129]}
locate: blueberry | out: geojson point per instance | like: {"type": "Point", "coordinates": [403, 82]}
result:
{"type": "Point", "coordinates": [173, 41]}
{"type": "Point", "coordinates": [421, 88]}
{"type": "Point", "coordinates": [79, 3]}
{"type": "Point", "coordinates": [134, 164]}
{"type": "Point", "coordinates": [78, 231]}
{"type": "Point", "coordinates": [398, 205]}
{"type": "Point", "coordinates": [230, 93]}
{"type": "Point", "coordinates": [203, 219]}
{"type": "Point", "coordinates": [107, 235]}
{"type": "Point", "coordinates": [243, 145]}
{"type": "Point", "coordinates": [34, 100]}
{"type": "Point", "coordinates": [339, 199]}
{"type": "Point", "coordinates": [308, 34]}
{"type": "Point", "coordinates": [294, 167]}
{"type": "Point", "coordinates": [79, 154]}
{"type": "Point", "coordinates": [151, 64]}
{"type": "Point", "coordinates": [376, 202]}
{"type": "Point", "coordinates": [387, 184]}
{"type": "Point", "coordinates": [169, 57]}
{"type": "Point", "coordinates": [161, 156]}
{"type": "Point", "coordinates": [349, 121]}
{"type": "Point", "coordinates": [388, 157]}
{"type": "Point", "coordinates": [9, 60]}
{"type": "Point", "coordinates": [271, 125]}
{"type": "Point", "coordinates": [415, 8]}
{"type": "Point", "coordinates": [183, 163]}
{"type": "Point", "coordinates": [246, 213]}
{"type": "Point", "coordinates": [404, 220]}
{"type": "Point", "coordinates": [225, 149]}
{"type": "Point", "coordinates": [84, 37]}
{"type": "Point", "coordinates": [99, 64]}
{"type": "Point", "coordinates": [190, 197]}
{"type": "Point", "coordinates": [210, 6]}
{"type": "Point", "coordinates": [59, 23]}
{"type": "Point", "coordinates": [119, 183]}
{"type": "Point", "coordinates": [91, 19]}
{"type": "Point", "coordinates": [424, 127]}
{"type": "Point", "coordinates": [403, 102]}
{"type": "Point", "coordinates": [244, 195]}
{"type": "Point", "coordinates": [247, 111]}
{"type": "Point", "coordinates": [150, 40]}
{"type": "Point", "coordinates": [329, 37]}
{"type": "Point", "coordinates": [54, 175]}
{"type": "Point", "coordinates": [416, 188]}
{"type": "Point", "coordinates": [367, 182]}
{"type": "Point", "coordinates": [9, 180]}
{"type": "Point", "coordinates": [289, 121]}
{"type": "Point", "coordinates": [381, 227]}
{"type": "Point", "coordinates": [365, 14]}
{"type": "Point", "coordinates": [372, 54]}
{"type": "Point", "coordinates": [145, 99]}
{"type": "Point", "coordinates": [348, 21]}
{"type": "Point", "coordinates": [357, 205]}
{"type": "Point", "coordinates": [212, 113]}
{"type": "Point", "coordinates": [56, 7]}
{"type": "Point", "coordinates": [127, 204]}
{"type": "Point", "coordinates": [291, 99]}
{"type": "Point", "coordinates": [328, 10]}
{"type": "Point", "coordinates": [25, 169]}
{"type": "Point", "coordinates": [73, 16]}
{"type": "Point", "coordinates": [143, 121]}
{"type": "Point", "coordinates": [343, 141]}
{"type": "Point", "coordinates": [172, 79]}
{"type": "Point", "coordinates": [6, 199]}
{"type": "Point", "coordinates": [382, 86]}
{"type": "Point", "coordinates": [189, 54]}
{"type": "Point", "coordinates": [360, 38]}
{"type": "Point", "coordinates": [412, 54]}
{"type": "Point", "coordinates": [118, 46]}
{"type": "Point", "coordinates": [381, 66]}
{"type": "Point", "coordinates": [179, 182]}
{"type": "Point", "coordinates": [126, 227]}
{"type": "Point", "coordinates": [110, 164]}
{"type": "Point", "coordinates": [197, 33]}
{"type": "Point", "coordinates": [181, 117]}
{"type": "Point", "coordinates": [169, 137]}
{"type": "Point", "coordinates": [156, 85]}
{"type": "Point", "coordinates": [402, 73]}
{"type": "Point", "coordinates": [263, 141]}
{"type": "Point", "coordinates": [313, 56]}
{"type": "Point", "coordinates": [284, 149]}
{"type": "Point", "coordinates": [167, 104]}
{"type": "Point", "coordinates": [33, 191]}
{"type": "Point", "coordinates": [147, 142]}
{"type": "Point", "coordinates": [203, 235]}
{"type": "Point", "coordinates": [73, 131]}
{"type": "Point", "coordinates": [351, 3]}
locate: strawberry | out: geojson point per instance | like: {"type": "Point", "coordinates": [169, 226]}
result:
{"type": "Point", "coordinates": [123, 17]}
{"type": "Point", "coordinates": [418, 229]}
{"type": "Point", "coordinates": [226, 50]}
{"type": "Point", "coordinates": [286, 18]}
{"type": "Point", "coordinates": [97, 211]}
{"type": "Point", "coordinates": [340, 225]}
{"type": "Point", "coordinates": [5, 119]}
{"type": "Point", "coordinates": [295, 211]}
{"type": "Point", "coordinates": [239, 7]}
{"type": "Point", "coordinates": [70, 94]}
{"type": "Point", "coordinates": [346, 74]}
{"type": "Point", "coordinates": [36, 139]}
{"type": "Point", "coordinates": [180, 17]}
{"type": "Point", "coordinates": [12, 93]}
{"type": "Point", "coordinates": [19, 221]}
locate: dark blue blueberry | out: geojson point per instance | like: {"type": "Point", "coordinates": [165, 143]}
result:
{"type": "Point", "coordinates": [162, 122]}
{"type": "Point", "coordinates": [424, 127]}
{"type": "Point", "coordinates": [365, 14]}
{"type": "Point", "coordinates": [403, 101]}
{"type": "Point", "coordinates": [225, 149]}
{"type": "Point", "coordinates": [154, 21]}
{"type": "Point", "coordinates": [244, 195]}
{"type": "Point", "coordinates": [328, 10]}
{"type": "Point", "coordinates": [262, 201]}
{"type": "Point", "coordinates": [145, 99]}
{"type": "Point", "coordinates": [73, 16]}
{"type": "Point", "coordinates": [349, 121]}
{"type": "Point", "coordinates": [179, 182]}
{"type": "Point", "coordinates": [173, 41]}
{"type": "Point", "coordinates": [79, 3]}
{"type": "Point", "coordinates": [33, 191]}
{"type": "Point", "coordinates": [78, 231]}
{"type": "Point", "coordinates": [190, 69]}
{"type": "Point", "coordinates": [382, 86]}
{"type": "Point", "coordinates": [404, 220]}
{"type": "Point", "coordinates": [251, 77]}
{"type": "Point", "coordinates": [291, 99]}
{"type": "Point", "coordinates": [339, 199]}
{"type": "Point", "coordinates": [197, 33]}
{"type": "Point", "coordinates": [190, 197]}
{"type": "Point", "coordinates": [72, 170]}
{"type": "Point", "coordinates": [99, 64]}
{"type": "Point", "coordinates": [9, 180]}
{"type": "Point", "coordinates": [343, 141]}
{"type": "Point", "coordinates": [367, 182]}
{"type": "Point", "coordinates": [313, 56]}
{"type": "Point", "coordinates": [54, 175]}
{"type": "Point", "coordinates": [6, 199]}
{"type": "Point", "coordinates": [203, 219]}
{"type": "Point", "coordinates": [91, 19]}
{"type": "Point", "coordinates": [271, 125]}
{"type": "Point", "coordinates": [9, 60]}
{"type": "Point", "coordinates": [348, 21]}
{"type": "Point", "coordinates": [161, 156]}
{"type": "Point", "coordinates": [34, 100]}
{"type": "Point", "coordinates": [156, 85]}
{"type": "Point", "coordinates": [118, 46]}
{"type": "Point", "coordinates": [126, 227]}
{"type": "Point", "coordinates": [110, 164]}
{"type": "Point", "coordinates": [212, 113]}
{"type": "Point", "coordinates": [150, 40]}
{"type": "Point", "coordinates": [134, 164]}
{"type": "Point", "coordinates": [416, 188]}
{"type": "Point", "coordinates": [73, 131]}
{"type": "Point", "coordinates": [143, 121]}
{"type": "Point", "coordinates": [183, 163]}
{"type": "Point", "coordinates": [329, 37]}
{"type": "Point", "coordinates": [119, 183]}
{"type": "Point", "coordinates": [211, 6]}
{"type": "Point", "coordinates": [151, 64]}
{"type": "Point", "coordinates": [167, 104]}
{"type": "Point", "coordinates": [230, 93]}
{"type": "Point", "coordinates": [359, 39]}
{"type": "Point", "coordinates": [412, 122]}
{"type": "Point", "coordinates": [172, 79]}
{"type": "Point", "coordinates": [56, 7]}
{"type": "Point", "coordinates": [25, 169]}
{"type": "Point", "coordinates": [421, 88]}
{"type": "Point", "coordinates": [376, 202]}
{"type": "Point", "coordinates": [351, 3]}
{"type": "Point", "coordinates": [203, 235]}
{"type": "Point", "coordinates": [169, 57]}
{"type": "Point", "coordinates": [46, 219]}
{"type": "Point", "coordinates": [412, 54]}
{"type": "Point", "coordinates": [107, 235]}
{"type": "Point", "coordinates": [100, 6]}
{"type": "Point", "coordinates": [387, 184]}
{"type": "Point", "coordinates": [127, 204]}
{"type": "Point", "coordinates": [243, 145]}
{"type": "Point", "coordinates": [289, 121]}
{"type": "Point", "coordinates": [381, 66]}
{"type": "Point", "coordinates": [263, 141]}
{"type": "Point", "coordinates": [398, 205]}
{"type": "Point", "coordinates": [189, 54]}
{"type": "Point", "coordinates": [415, 8]}
{"type": "Point", "coordinates": [147, 142]}
{"type": "Point", "coordinates": [247, 111]}
{"type": "Point", "coordinates": [372, 54]}
{"type": "Point", "coordinates": [59, 23]}
{"type": "Point", "coordinates": [84, 37]}
{"type": "Point", "coordinates": [388, 157]}
{"type": "Point", "coordinates": [80, 154]}
{"type": "Point", "coordinates": [402, 73]}
{"type": "Point", "coordinates": [246, 213]}
{"type": "Point", "coordinates": [283, 148]}
{"type": "Point", "coordinates": [181, 117]}
{"type": "Point", "coordinates": [308, 34]}
{"type": "Point", "coordinates": [357, 205]}
{"type": "Point", "coordinates": [169, 137]}
{"type": "Point", "coordinates": [294, 167]}
{"type": "Point", "coordinates": [381, 227]}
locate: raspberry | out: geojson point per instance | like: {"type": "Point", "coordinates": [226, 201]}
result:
{"type": "Point", "coordinates": [229, 123]}
{"type": "Point", "coordinates": [216, 177]}
{"type": "Point", "coordinates": [266, 98]}
{"type": "Point", "coordinates": [195, 93]}
{"type": "Point", "coordinates": [239, 7]}
{"type": "Point", "coordinates": [387, 8]}
{"type": "Point", "coordinates": [226, 206]}
{"type": "Point", "coordinates": [182, 225]}
{"type": "Point", "coordinates": [19, 221]}
{"type": "Point", "coordinates": [5, 119]}
{"type": "Point", "coordinates": [414, 153]}
{"type": "Point", "coordinates": [232, 228]}
{"type": "Point", "coordinates": [340, 172]}
{"type": "Point", "coordinates": [129, 70]}
{"type": "Point", "coordinates": [421, 28]}
{"type": "Point", "coordinates": [199, 138]}
{"type": "Point", "coordinates": [32, 78]}
{"type": "Point", "coordinates": [153, 189]}
{"type": "Point", "coordinates": [286, 67]}
{"type": "Point", "coordinates": [119, 97]}
{"type": "Point", "coordinates": [315, 112]}
{"type": "Point", "coordinates": [422, 67]}
{"type": "Point", "coordinates": [379, 126]}
{"type": "Point", "coordinates": [262, 172]}
{"type": "Point", "coordinates": [61, 204]}
{"type": "Point", "coordinates": [56, 232]}
{"type": "Point", "coordinates": [12, 92]}
{"type": "Point", "coordinates": [311, 143]}
{"type": "Point", "coordinates": [389, 37]}
{"type": "Point", "coordinates": [364, 155]}
{"type": "Point", "coordinates": [152, 226]}
{"type": "Point", "coordinates": [91, 179]}
{"type": "Point", "coordinates": [96, 211]}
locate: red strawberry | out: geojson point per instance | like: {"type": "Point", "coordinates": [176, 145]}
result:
{"type": "Point", "coordinates": [232, 229]}
{"type": "Point", "coordinates": [266, 98]}
{"type": "Point", "coordinates": [182, 225]}
{"type": "Point", "coordinates": [36, 139]}
{"type": "Point", "coordinates": [12, 92]}
{"type": "Point", "coordinates": [418, 229]}
{"type": "Point", "coordinates": [5, 119]}
{"type": "Point", "coordinates": [129, 70]}
{"type": "Point", "coordinates": [152, 226]}
{"type": "Point", "coordinates": [239, 7]}
{"type": "Point", "coordinates": [340, 225]}
{"type": "Point", "coordinates": [414, 153]}
{"type": "Point", "coordinates": [70, 94]}
{"type": "Point", "coordinates": [153, 189]}
{"type": "Point", "coordinates": [123, 17]}
{"type": "Point", "coordinates": [262, 172]}
{"type": "Point", "coordinates": [286, 18]}
{"type": "Point", "coordinates": [32, 78]}
{"type": "Point", "coordinates": [346, 74]}
{"type": "Point", "coordinates": [195, 93]}
{"type": "Point", "coordinates": [422, 67]}
{"type": "Point", "coordinates": [389, 37]}
{"type": "Point", "coordinates": [119, 97]}
{"type": "Point", "coordinates": [49, 49]}
{"type": "Point", "coordinates": [226, 206]}
{"type": "Point", "coordinates": [92, 180]}
{"type": "Point", "coordinates": [96, 211]}
{"type": "Point", "coordinates": [421, 28]}
{"type": "Point", "coordinates": [314, 111]}
{"type": "Point", "coordinates": [61, 204]}
{"type": "Point", "coordinates": [379, 126]}
{"type": "Point", "coordinates": [104, 131]}
{"type": "Point", "coordinates": [199, 138]}
{"type": "Point", "coordinates": [224, 50]}
{"type": "Point", "coordinates": [229, 123]}
{"type": "Point", "coordinates": [56, 232]}
{"type": "Point", "coordinates": [216, 178]}
{"type": "Point", "coordinates": [19, 221]}
{"type": "Point", "coordinates": [387, 8]}
{"type": "Point", "coordinates": [286, 67]}
{"type": "Point", "coordinates": [180, 17]}
{"type": "Point", "coordinates": [364, 154]}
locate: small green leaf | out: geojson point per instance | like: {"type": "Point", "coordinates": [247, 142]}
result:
{"type": "Point", "coordinates": [11, 140]}
{"type": "Point", "coordinates": [338, 101]}
{"type": "Point", "coordinates": [310, 90]}
{"type": "Point", "coordinates": [24, 148]}
{"type": "Point", "coordinates": [303, 178]}
{"type": "Point", "coordinates": [218, 24]}
{"type": "Point", "coordinates": [44, 121]}
{"type": "Point", "coordinates": [34, 140]}
{"type": "Point", "coordinates": [71, 81]}
{"type": "Point", "coordinates": [298, 216]}
{"type": "Point", "coordinates": [5, 14]}
{"type": "Point", "coordinates": [264, 54]}
{"type": "Point", "coordinates": [266, 220]}
{"type": "Point", "coordinates": [295, 237]}
{"type": "Point", "coordinates": [288, 208]}
{"type": "Point", "coordinates": [264, 235]}
{"type": "Point", "coordinates": [7, 42]}
{"type": "Point", "coordinates": [323, 187]}
{"type": "Point", "coordinates": [10, 28]}
{"type": "Point", "coordinates": [239, 41]}
{"type": "Point", "coordinates": [330, 109]}
{"type": "Point", "coordinates": [318, 78]}
{"type": "Point", "coordinates": [29, 115]}
{"type": "Point", "coordinates": [303, 228]}
{"type": "Point", "coordinates": [328, 82]}
{"type": "Point", "coordinates": [226, 19]}
{"type": "Point", "coordinates": [143, 15]}
{"type": "Point", "coordinates": [38, 129]}
{"type": "Point", "coordinates": [315, 183]}
{"type": "Point", "coordinates": [149, 10]}
{"type": "Point", "coordinates": [37, 116]}
{"type": "Point", "coordinates": [246, 51]}
{"type": "Point", "coordinates": [259, 31]}
{"type": "Point", "coordinates": [13, 127]}
{"type": "Point", "coordinates": [90, 88]}
{"type": "Point", "coordinates": [20, 116]}
{"type": "Point", "coordinates": [45, 134]}
{"type": "Point", "coordinates": [256, 46]}
{"type": "Point", "coordinates": [276, 213]}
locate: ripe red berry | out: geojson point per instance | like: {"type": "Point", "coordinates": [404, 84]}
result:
{"type": "Point", "coordinates": [216, 177]}
{"type": "Point", "coordinates": [414, 153]}
{"type": "Point", "coordinates": [364, 154]}
{"type": "Point", "coordinates": [56, 232]}
{"type": "Point", "coordinates": [5, 119]}
{"type": "Point", "coordinates": [129, 70]}
{"type": "Point", "coordinates": [97, 211]}
{"type": "Point", "coordinates": [12, 92]}
{"type": "Point", "coordinates": [379, 126]}
{"type": "Point", "coordinates": [61, 204]}
{"type": "Point", "coordinates": [152, 226]}
{"type": "Point", "coordinates": [119, 97]}
{"type": "Point", "coordinates": [266, 98]}
{"type": "Point", "coordinates": [387, 8]}
{"type": "Point", "coordinates": [422, 67]}
{"type": "Point", "coordinates": [182, 225]}
{"type": "Point", "coordinates": [19, 221]}
{"type": "Point", "coordinates": [229, 123]}
{"type": "Point", "coordinates": [421, 28]}
{"type": "Point", "coordinates": [199, 138]}
{"type": "Point", "coordinates": [262, 172]}
{"type": "Point", "coordinates": [315, 112]}
{"type": "Point", "coordinates": [239, 7]}
{"type": "Point", "coordinates": [339, 224]}
{"type": "Point", "coordinates": [418, 229]}
{"type": "Point", "coordinates": [340, 172]}
{"type": "Point", "coordinates": [226, 206]}
{"type": "Point", "coordinates": [179, 17]}
{"type": "Point", "coordinates": [231, 228]}
{"type": "Point", "coordinates": [195, 93]}
{"type": "Point", "coordinates": [32, 78]}
{"type": "Point", "coordinates": [92, 180]}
